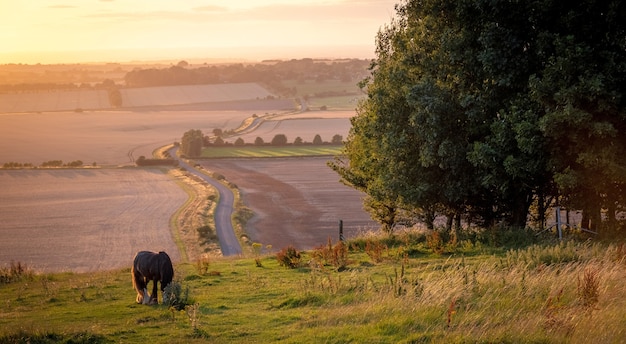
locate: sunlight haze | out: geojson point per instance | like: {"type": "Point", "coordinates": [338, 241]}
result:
{"type": "Point", "coordinates": [70, 31]}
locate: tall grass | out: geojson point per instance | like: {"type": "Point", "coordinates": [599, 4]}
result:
{"type": "Point", "coordinates": [399, 292]}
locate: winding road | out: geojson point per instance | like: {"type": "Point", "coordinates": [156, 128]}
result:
{"type": "Point", "coordinates": [223, 225]}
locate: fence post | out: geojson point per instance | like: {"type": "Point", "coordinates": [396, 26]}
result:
{"type": "Point", "coordinates": [341, 230]}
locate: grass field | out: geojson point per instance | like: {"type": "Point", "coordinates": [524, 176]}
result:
{"type": "Point", "coordinates": [380, 291]}
{"type": "Point", "coordinates": [269, 151]}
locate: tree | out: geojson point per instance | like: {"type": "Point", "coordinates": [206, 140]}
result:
{"type": "Point", "coordinates": [219, 141]}
{"type": "Point", "coordinates": [279, 139]}
{"type": "Point", "coordinates": [480, 108]}
{"type": "Point", "coordinates": [239, 142]}
{"type": "Point", "coordinates": [298, 141]}
{"type": "Point", "coordinates": [337, 139]}
{"type": "Point", "coordinates": [191, 143]}
{"type": "Point", "coordinates": [259, 141]}
{"type": "Point", "coordinates": [317, 140]}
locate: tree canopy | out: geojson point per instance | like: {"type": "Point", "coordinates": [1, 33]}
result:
{"type": "Point", "coordinates": [485, 109]}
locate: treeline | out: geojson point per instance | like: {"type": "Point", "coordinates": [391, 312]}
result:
{"type": "Point", "coordinates": [194, 140]}
{"type": "Point", "coordinates": [49, 87]}
{"type": "Point", "coordinates": [278, 140]}
{"type": "Point", "coordinates": [267, 72]}
{"type": "Point", "coordinates": [45, 164]}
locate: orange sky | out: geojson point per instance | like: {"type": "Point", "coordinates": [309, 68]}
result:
{"type": "Point", "coordinates": [68, 31]}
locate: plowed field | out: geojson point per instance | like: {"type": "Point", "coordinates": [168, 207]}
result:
{"type": "Point", "coordinates": [296, 201]}
{"type": "Point", "coordinates": [85, 220]}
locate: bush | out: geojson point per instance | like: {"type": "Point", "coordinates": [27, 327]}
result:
{"type": "Point", "coordinates": [289, 257]}
{"type": "Point", "coordinates": [15, 272]}
{"type": "Point", "coordinates": [177, 298]}
{"type": "Point", "coordinates": [279, 140]}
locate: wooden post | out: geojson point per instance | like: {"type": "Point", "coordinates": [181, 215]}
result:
{"type": "Point", "coordinates": [558, 222]}
{"type": "Point", "coordinates": [341, 230]}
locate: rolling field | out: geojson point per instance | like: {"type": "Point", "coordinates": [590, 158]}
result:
{"type": "Point", "coordinates": [85, 220]}
{"type": "Point", "coordinates": [69, 212]}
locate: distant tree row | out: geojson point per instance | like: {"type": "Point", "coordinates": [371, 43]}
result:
{"type": "Point", "coordinates": [267, 72]}
{"type": "Point", "coordinates": [278, 140]}
{"type": "Point", "coordinates": [50, 163]}
{"type": "Point", "coordinates": [194, 140]}
{"type": "Point", "coordinates": [48, 87]}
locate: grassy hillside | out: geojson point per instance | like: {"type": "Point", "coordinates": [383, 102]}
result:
{"type": "Point", "coordinates": [377, 291]}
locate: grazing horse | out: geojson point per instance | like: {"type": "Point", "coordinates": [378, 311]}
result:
{"type": "Point", "coordinates": [155, 267]}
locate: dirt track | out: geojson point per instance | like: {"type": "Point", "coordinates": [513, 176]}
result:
{"type": "Point", "coordinates": [296, 201]}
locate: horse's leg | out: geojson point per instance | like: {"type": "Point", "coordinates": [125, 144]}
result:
{"type": "Point", "coordinates": [155, 295]}
{"type": "Point", "coordinates": [146, 297]}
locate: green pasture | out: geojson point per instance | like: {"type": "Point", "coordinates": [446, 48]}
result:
{"type": "Point", "coordinates": [269, 151]}
{"type": "Point", "coordinates": [405, 289]}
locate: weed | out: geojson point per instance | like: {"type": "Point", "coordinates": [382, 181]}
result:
{"type": "Point", "coordinates": [202, 264]}
{"type": "Point", "coordinates": [289, 257]}
{"type": "Point", "coordinates": [374, 250]}
{"type": "Point", "coordinates": [451, 311]}
{"type": "Point", "coordinates": [177, 297]}
{"type": "Point", "coordinates": [588, 289]}
{"type": "Point", "coordinates": [193, 313]}
{"type": "Point", "coordinates": [434, 242]}
{"type": "Point", "coordinates": [15, 272]}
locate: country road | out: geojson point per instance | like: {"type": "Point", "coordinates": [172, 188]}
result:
{"type": "Point", "coordinates": [223, 225]}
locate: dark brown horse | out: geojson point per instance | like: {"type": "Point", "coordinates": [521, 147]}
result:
{"type": "Point", "coordinates": [151, 266]}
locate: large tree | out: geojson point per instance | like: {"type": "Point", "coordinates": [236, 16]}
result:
{"type": "Point", "coordinates": [466, 104]}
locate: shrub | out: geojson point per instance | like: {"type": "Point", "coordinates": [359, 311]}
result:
{"type": "Point", "coordinates": [177, 298]}
{"type": "Point", "coordinates": [374, 250]}
{"type": "Point", "coordinates": [279, 139]}
{"type": "Point", "coordinates": [435, 242]}
{"type": "Point", "coordinates": [15, 272]}
{"type": "Point", "coordinates": [289, 257]}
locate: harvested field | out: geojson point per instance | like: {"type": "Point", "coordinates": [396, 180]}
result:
{"type": "Point", "coordinates": [88, 99]}
{"type": "Point", "coordinates": [305, 128]}
{"type": "Point", "coordinates": [85, 220]}
{"type": "Point", "coordinates": [296, 201]}
{"type": "Point", "coordinates": [190, 94]}
{"type": "Point", "coordinates": [54, 101]}
{"type": "Point", "coordinates": [107, 137]}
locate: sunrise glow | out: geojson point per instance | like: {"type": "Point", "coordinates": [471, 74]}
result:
{"type": "Point", "coordinates": [65, 31]}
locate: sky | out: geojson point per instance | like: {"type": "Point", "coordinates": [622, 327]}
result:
{"type": "Point", "coordinates": [77, 31]}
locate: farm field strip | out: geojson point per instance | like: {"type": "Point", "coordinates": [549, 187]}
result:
{"type": "Point", "coordinates": [305, 128]}
{"type": "Point", "coordinates": [268, 152]}
{"type": "Point", "coordinates": [104, 137]}
{"type": "Point", "coordinates": [54, 101]}
{"type": "Point", "coordinates": [296, 201]}
{"type": "Point", "coordinates": [131, 97]}
{"type": "Point", "coordinates": [85, 220]}
{"type": "Point", "coordinates": [190, 94]}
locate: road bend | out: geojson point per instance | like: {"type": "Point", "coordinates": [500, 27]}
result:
{"type": "Point", "coordinates": [223, 212]}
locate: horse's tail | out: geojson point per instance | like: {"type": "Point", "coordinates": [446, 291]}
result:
{"type": "Point", "coordinates": [139, 282]}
